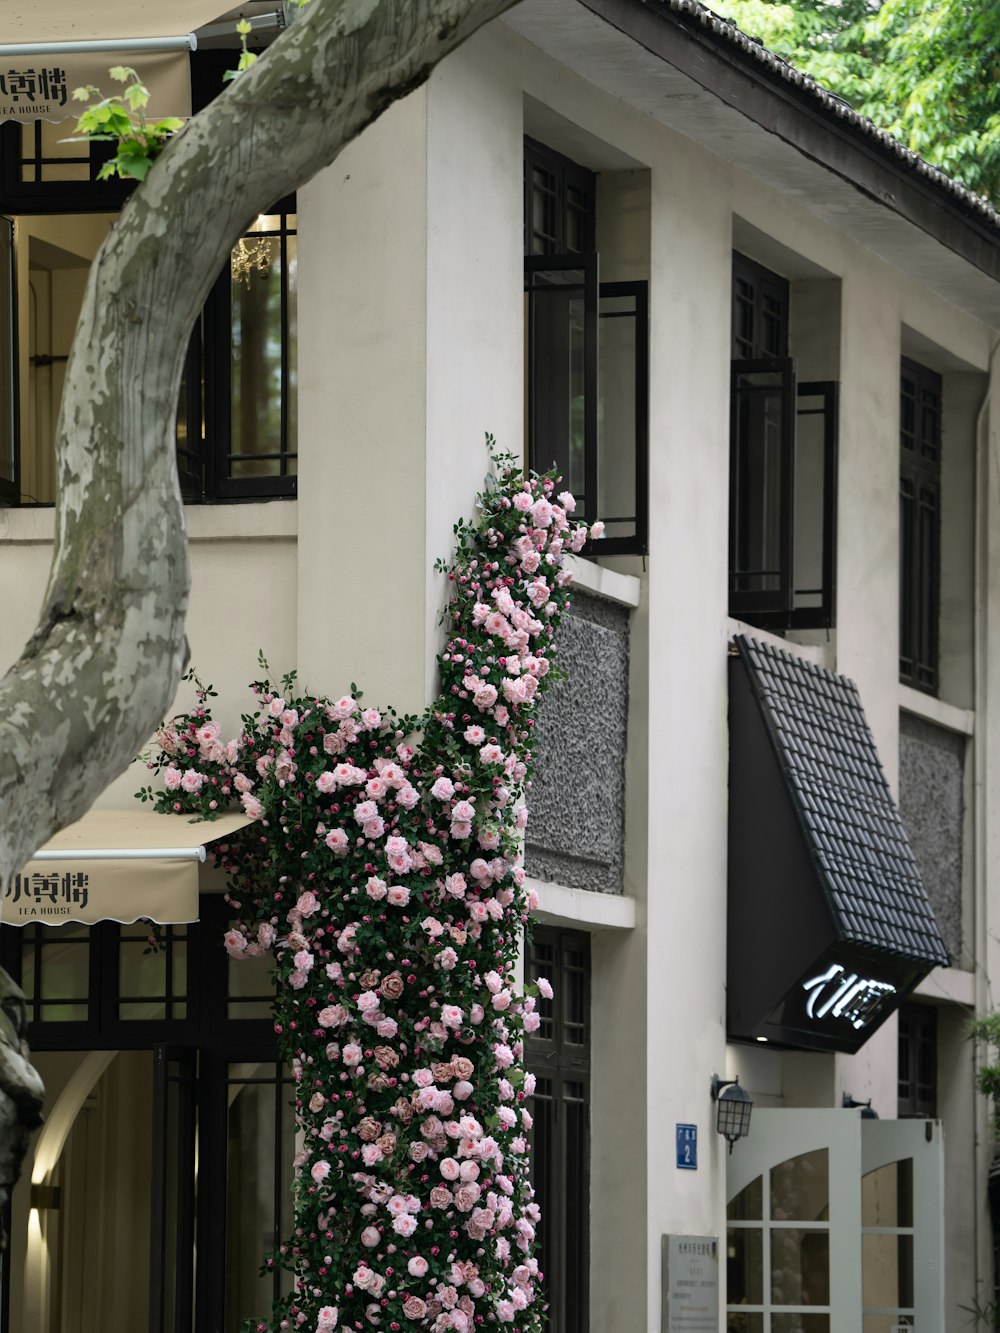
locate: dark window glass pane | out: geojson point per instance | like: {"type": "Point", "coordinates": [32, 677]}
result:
{"type": "Point", "coordinates": [758, 483]}
{"type": "Point", "coordinates": [800, 1266]}
{"type": "Point", "coordinates": [617, 421]}
{"type": "Point", "coordinates": [8, 362]}
{"type": "Point", "coordinates": [263, 306]}
{"type": "Point", "coordinates": [810, 532]}
{"type": "Point", "coordinates": [887, 1270]}
{"type": "Point", "coordinates": [261, 1141]}
{"type": "Point", "coordinates": [920, 522]}
{"type": "Point", "coordinates": [250, 987]}
{"type": "Point", "coordinates": [745, 1266]}
{"type": "Point", "coordinates": [744, 1321]}
{"type": "Point", "coordinates": [800, 1188]}
{"type": "Point", "coordinates": [887, 1195]}
{"type": "Point", "coordinates": [748, 1205]}
{"type": "Point", "coordinates": [562, 381]}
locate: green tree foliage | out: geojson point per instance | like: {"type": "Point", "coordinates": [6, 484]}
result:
{"type": "Point", "coordinates": [928, 71]}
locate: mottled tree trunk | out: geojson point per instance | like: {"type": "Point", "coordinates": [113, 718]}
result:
{"type": "Point", "coordinates": [103, 664]}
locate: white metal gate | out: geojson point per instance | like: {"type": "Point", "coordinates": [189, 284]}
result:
{"type": "Point", "coordinates": [835, 1225]}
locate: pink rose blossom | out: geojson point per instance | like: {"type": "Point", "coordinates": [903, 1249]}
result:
{"type": "Point", "coordinates": [251, 806]}
{"type": "Point", "coordinates": [417, 1266]}
{"type": "Point", "coordinates": [452, 1016]}
{"type": "Point", "coordinates": [320, 1171]}
{"type": "Point", "coordinates": [235, 943]}
{"type": "Point", "coordinates": [375, 888]}
{"type": "Point", "coordinates": [337, 841]}
{"type": "Point", "coordinates": [450, 1168]}
{"type": "Point", "coordinates": [398, 895]}
{"type": "Point", "coordinates": [407, 797]}
{"type": "Point", "coordinates": [443, 789]}
{"type": "Point", "coordinates": [192, 780]}
{"type": "Point", "coordinates": [172, 778]}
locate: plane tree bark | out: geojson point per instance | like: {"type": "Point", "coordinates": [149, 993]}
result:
{"type": "Point", "coordinates": [102, 666]}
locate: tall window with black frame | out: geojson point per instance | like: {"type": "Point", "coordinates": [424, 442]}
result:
{"type": "Point", "coordinates": [558, 1055]}
{"type": "Point", "coordinates": [919, 525]}
{"type": "Point", "coordinates": [237, 418]}
{"type": "Point", "coordinates": [782, 467]}
{"type": "Point", "coordinates": [587, 359]}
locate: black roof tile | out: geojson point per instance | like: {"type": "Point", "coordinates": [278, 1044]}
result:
{"type": "Point", "coordinates": [850, 822]}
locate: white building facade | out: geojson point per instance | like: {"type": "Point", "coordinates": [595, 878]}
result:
{"type": "Point", "coordinates": [776, 382]}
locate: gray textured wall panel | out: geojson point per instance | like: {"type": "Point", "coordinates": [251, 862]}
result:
{"type": "Point", "coordinates": [576, 828]}
{"type": "Point", "coordinates": [931, 770]}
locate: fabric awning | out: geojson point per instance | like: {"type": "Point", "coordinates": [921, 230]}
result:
{"type": "Point", "coordinates": [86, 20]}
{"type": "Point", "coordinates": [117, 865]}
{"type": "Point", "coordinates": [38, 73]}
{"type": "Point", "coordinates": [40, 87]}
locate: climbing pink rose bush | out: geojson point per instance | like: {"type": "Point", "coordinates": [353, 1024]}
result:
{"type": "Point", "coordinates": [383, 873]}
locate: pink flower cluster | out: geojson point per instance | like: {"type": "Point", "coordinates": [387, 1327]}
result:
{"type": "Point", "coordinates": [385, 875]}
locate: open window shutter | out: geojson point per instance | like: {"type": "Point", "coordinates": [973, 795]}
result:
{"type": "Point", "coordinates": [814, 533]}
{"type": "Point", "coordinates": [561, 310]}
{"type": "Point", "coordinates": [8, 366]}
{"type": "Point", "coordinates": [761, 489]}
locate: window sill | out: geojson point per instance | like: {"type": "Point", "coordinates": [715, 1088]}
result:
{"type": "Point", "coordinates": [560, 905]}
{"type": "Point", "coordinates": [266, 520]}
{"type": "Point", "coordinates": [934, 710]}
{"type": "Point", "coordinates": [950, 985]}
{"type": "Point", "coordinates": [622, 588]}
{"type": "Point", "coordinates": [261, 521]}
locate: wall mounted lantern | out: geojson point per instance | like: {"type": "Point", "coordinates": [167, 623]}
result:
{"type": "Point", "coordinates": [734, 1107]}
{"type": "Point", "coordinates": [866, 1109]}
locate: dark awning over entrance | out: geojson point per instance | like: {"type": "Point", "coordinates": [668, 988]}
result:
{"type": "Point", "coordinates": [829, 924]}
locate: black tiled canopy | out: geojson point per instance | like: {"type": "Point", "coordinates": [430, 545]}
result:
{"type": "Point", "coordinates": [821, 871]}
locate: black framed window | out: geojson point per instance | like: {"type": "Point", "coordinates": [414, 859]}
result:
{"type": "Point", "coordinates": [587, 355]}
{"type": "Point", "coordinates": [782, 472]}
{"type": "Point", "coordinates": [41, 173]}
{"type": "Point", "coordinates": [919, 525]}
{"type": "Point", "coordinates": [237, 420]}
{"type": "Point", "coordinates": [114, 986]}
{"type": "Point", "coordinates": [558, 1054]}
{"type": "Point", "coordinates": [917, 1074]}
{"type": "Point", "coordinates": [237, 413]}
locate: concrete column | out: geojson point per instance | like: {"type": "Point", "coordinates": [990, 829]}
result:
{"type": "Point", "coordinates": [685, 907]}
{"type": "Point", "coordinates": [868, 570]}
{"type": "Point", "coordinates": [409, 351]}
{"type": "Point", "coordinates": [362, 413]}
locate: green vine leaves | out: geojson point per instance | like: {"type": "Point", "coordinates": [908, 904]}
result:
{"type": "Point", "coordinates": [121, 119]}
